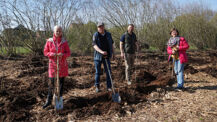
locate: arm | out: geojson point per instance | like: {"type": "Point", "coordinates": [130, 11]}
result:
{"type": "Point", "coordinates": [47, 51]}
{"type": "Point", "coordinates": [121, 47]}
{"type": "Point", "coordinates": [122, 40]}
{"type": "Point", "coordinates": [169, 50]}
{"type": "Point", "coordinates": [184, 46]}
{"type": "Point", "coordinates": [67, 52]}
{"type": "Point", "coordinates": [98, 49]}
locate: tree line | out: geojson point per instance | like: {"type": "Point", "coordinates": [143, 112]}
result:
{"type": "Point", "coordinates": [28, 24]}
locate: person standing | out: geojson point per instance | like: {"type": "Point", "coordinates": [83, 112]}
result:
{"type": "Point", "coordinates": [128, 47]}
{"type": "Point", "coordinates": [104, 50]}
{"type": "Point", "coordinates": [56, 47]}
{"type": "Point", "coordinates": [176, 49]}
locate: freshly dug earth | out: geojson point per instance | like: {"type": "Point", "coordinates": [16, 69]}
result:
{"type": "Point", "coordinates": [24, 89]}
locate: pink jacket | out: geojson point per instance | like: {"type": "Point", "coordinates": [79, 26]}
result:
{"type": "Point", "coordinates": [50, 50]}
{"type": "Point", "coordinates": [183, 46]}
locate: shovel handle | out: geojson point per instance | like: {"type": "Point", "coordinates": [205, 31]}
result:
{"type": "Point", "coordinates": [58, 82]}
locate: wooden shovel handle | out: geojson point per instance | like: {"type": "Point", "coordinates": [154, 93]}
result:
{"type": "Point", "coordinates": [58, 82]}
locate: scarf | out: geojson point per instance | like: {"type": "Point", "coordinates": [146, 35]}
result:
{"type": "Point", "coordinates": [57, 39]}
{"type": "Point", "coordinates": [173, 41]}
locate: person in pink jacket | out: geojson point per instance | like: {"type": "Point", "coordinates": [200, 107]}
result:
{"type": "Point", "coordinates": [56, 47]}
{"type": "Point", "coordinates": [176, 49]}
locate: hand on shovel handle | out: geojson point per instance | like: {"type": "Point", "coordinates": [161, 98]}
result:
{"type": "Point", "coordinates": [59, 54]}
{"type": "Point", "coordinates": [104, 53]}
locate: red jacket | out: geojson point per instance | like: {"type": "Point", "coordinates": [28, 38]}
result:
{"type": "Point", "coordinates": [183, 46]}
{"type": "Point", "coordinates": [50, 50]}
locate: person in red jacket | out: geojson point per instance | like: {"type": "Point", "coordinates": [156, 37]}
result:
{"type": "Point", "coordinates": [176, 49]}
{"type": "Point", "coordinates": [56, 47]}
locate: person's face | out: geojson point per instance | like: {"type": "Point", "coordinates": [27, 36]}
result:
{"type": "Point", "coordinates": [58, 32]}
{"type": "Point", "coordinates": [101, 29]}
{"type": "Point", "coordinates": [130, 28]}
{"type": "Point", "coordinates": [174, 33]}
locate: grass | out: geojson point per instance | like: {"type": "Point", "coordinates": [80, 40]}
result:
{"type": "Point", "coordinates": [22, 50]}
{"type": "Point", "coordinates": [192, 47]}
{"type": "Point", "coordinates": [2, 51]}
{"type": "Point", "coordinates": [19, 50]}
{"type": "Point", "coordinates": [153, 48]}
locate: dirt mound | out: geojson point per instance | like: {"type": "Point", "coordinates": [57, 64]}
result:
{"type": "Point", "coordinates": [210, 70]}
{"type": "Point", "coordinates": [74, 63]}
{"type": "Point", "coordinates": [31, 66]}
{"type": "Point", "coordinates": [144, 76]}
{"type": "Point", "coordinates": [35, 61]}
{"type": "Point", "coordinates": [18, 98]}
{"type": "Point", "coordinates": [25, 93]}
{"type": "Point", "coordinates": [81, 76]}
{"type": "Point", "coordinates": [91, 105]}
{"type": "Point", "coordinates": [190, 69]}
{"type": "Point", "coordinates": [101, 103]}
{"type": "Point", "coordinates": [20, 106]}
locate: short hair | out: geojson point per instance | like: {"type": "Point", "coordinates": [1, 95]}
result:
{"type": "Point", "coordinates": [174, 29]}
{"type": "Point", "coordinates": [131, 25]}
{"type": "Point", "coordinates": [57, 27]}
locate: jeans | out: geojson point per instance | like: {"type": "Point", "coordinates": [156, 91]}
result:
{"type": "Point", "coordinates": [179, 71]}
{"type": "Point", "coordinates": [98, 71]}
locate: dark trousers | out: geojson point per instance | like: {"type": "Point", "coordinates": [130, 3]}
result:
{"type": "Point", "coordinates": [51, 87]}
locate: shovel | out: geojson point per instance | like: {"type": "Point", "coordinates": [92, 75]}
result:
{"type": "Point", "coordinates": [115, 96]}
{"type": "Point", "coordinates": [58, 100]}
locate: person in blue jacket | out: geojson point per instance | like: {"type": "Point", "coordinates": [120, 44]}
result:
{"type": "Point", "coordinates": [104, 50]}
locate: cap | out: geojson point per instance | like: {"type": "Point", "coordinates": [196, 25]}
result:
{"type": "Point", "coordinates": [100, 24]}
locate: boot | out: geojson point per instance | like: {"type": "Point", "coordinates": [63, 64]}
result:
{"type": "Point", "coordinates": [48, 102]}
{"type": "Point", "coordinates": [50, 93]}
{"type": "Point", "coordinates": [129, 82]}
{"type": "Point", "coordinates": [97, 89]}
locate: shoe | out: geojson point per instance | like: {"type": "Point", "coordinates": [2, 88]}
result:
{"type": "Point", "coordinates": [129, 82]}
{"type": "Point", "coordinates": [179, 88]}
{"type": "Point", "coordinates": [48, 102]}
{"type": "Point", "coordinates": [97, 89]}
{"type": "Point", "coordinates": [109, 89]}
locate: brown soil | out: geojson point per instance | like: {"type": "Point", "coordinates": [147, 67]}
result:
{"type": "Point", "coordinates": [24, 87]}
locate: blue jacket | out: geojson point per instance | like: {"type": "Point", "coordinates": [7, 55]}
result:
{"type": "Point", "coordinates": [97, 55]}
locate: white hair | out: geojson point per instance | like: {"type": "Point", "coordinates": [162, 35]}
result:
{"type": "Point", "coordinates": [57, 27]}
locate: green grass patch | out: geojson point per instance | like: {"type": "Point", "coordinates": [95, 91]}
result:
{"type": "Point", "coordinates": [19, 50]}
{"type": "Point", "coordinates": [22, 50]}
{"type": "Point", "coordinates": [2, 51]}
{"type": "Point", "coordinates": [153, 48]}
{"type": "Point", "coordinates": [192, 47]}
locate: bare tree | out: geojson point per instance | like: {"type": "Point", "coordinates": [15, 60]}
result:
{"type": "Point", "coordinates": [39, 17]}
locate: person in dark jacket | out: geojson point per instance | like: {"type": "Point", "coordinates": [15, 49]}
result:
{"type": "Point", "coordinates": [128, 47]}
{"type": "Point", "coordinates": [104, 50]}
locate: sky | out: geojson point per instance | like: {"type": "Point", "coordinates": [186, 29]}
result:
{"type": "Point", "coordinates": [212, 4]}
